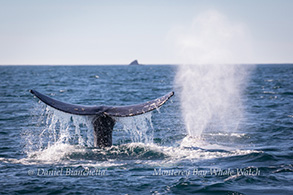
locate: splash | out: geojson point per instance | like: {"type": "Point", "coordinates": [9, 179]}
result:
{"type": "Point", "coordinates": [211, 85]}
{"type": "Point", "coordinates": [53, 127]}
{"type": "Point", "coordinates": [139, 128]}
{"type": "Point", "coordinates": [59, 137]}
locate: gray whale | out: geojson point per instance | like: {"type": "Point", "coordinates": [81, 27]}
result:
{"type": "Point", "coordinates": [103, 121]}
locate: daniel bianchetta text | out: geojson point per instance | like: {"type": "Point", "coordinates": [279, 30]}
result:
{"type": "Point", "coordinates": [66, 171]}
{"type": "Point", "coordinates": [207, 172]}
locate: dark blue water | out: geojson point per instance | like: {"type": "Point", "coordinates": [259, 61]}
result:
{"type": "Point", "coordinates": [47, 152]}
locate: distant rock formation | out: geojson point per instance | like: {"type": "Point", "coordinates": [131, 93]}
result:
{"type": "Point", "coordinates": [135, 62]}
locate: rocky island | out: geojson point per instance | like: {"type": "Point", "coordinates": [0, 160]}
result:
{"type": "Point", "coordinates": [134, 62]}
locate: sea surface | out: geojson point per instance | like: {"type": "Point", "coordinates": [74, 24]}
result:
{"type": "Point", "coordinates": [44, 151]}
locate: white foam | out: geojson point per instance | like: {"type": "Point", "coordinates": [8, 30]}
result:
{"type": "Point", "coordinates": [227, 134]}
{"type": "Point", "coordinates": [182, 153]}
{"type": "Point", "coordinates": [54, 153]}
{"type": "Point", "coordinates": [61, 154]}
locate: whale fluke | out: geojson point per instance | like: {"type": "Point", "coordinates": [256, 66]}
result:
{"type": "Point", "coordinates": [103, 122]}
{"type": "Point", "coordinates": [118, 111]}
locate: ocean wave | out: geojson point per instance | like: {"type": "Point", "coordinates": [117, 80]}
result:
{"type": "Point", "coordinates": [149, 154]}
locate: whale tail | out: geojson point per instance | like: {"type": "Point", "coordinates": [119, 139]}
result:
{"type": "Point", "coordinates": [103, 122]}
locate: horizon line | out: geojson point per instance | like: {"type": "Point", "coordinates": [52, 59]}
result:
{"type": "Point", "coordinates": [174, 64]}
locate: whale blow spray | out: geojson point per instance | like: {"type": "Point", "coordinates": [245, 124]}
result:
{"type": "Point", "coordinates": [210, 82]}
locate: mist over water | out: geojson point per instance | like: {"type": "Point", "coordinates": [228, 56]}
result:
{"type": "Point", "coordinates": [210, 81]}
{"type": "Point", "coordinates": [210, 97]}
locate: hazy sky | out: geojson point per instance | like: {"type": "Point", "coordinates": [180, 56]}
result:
{"type": "Point", "coordinates": [152, 31]}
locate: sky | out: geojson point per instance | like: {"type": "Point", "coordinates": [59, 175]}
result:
{"type": "Point", "coordinates": [60, 32]}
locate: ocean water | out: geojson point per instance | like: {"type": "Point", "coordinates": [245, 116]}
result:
{"type": "Point", "coordinates": [244, 147]}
